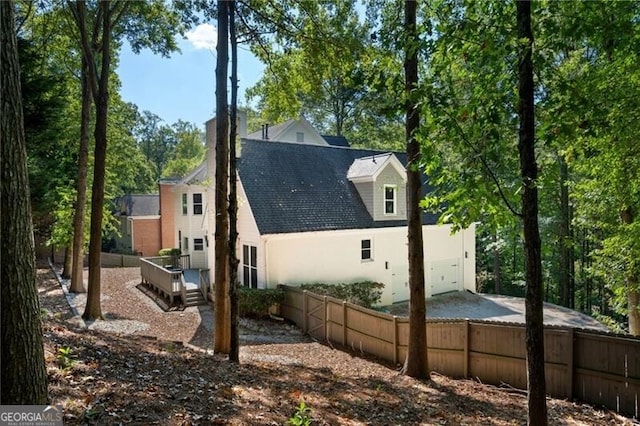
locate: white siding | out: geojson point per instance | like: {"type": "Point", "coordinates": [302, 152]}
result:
{"type": "Point", "coordinates": [334, 257]}
{"type": "Point", "coordinates": [311, 137]}
{"type": "Point", "coordinates": [191, 226]}
{"type": "Point", "coordinates": [248, 234]}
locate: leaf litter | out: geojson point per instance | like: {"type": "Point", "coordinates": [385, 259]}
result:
{"type": "Point", "coordinates": [151, 377]}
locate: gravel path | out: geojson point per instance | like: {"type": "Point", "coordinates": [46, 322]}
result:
{"type": "Point", "coordinates": [128, 310]}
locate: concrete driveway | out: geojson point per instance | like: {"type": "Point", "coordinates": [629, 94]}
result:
{"type": "Point", "coordinates": [496, 308]}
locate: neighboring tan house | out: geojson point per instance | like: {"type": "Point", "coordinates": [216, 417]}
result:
{"type": "Point", "coordinates": [138, 218]}
{"type": "Point", "coordinates": [310, 211]}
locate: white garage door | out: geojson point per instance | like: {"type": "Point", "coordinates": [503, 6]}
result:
{"type": "Point", "coordinates": [445, 276]}
{"type": "Point", "coordinates": [400, 283]}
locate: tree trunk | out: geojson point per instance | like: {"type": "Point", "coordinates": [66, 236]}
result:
{"type": "Point", "coordinates": [416, 363]}
{"type": "Point", "coordinates": [222, 338]}
{"type": "Point", "coordinates": [77, 280]}
{"type": "Point", "coordinates": [564, 236]}
{"type": "Point", "coordinates": [24, 377]}
{"type": "Point", "coordinates": [496, 266]}
{"type": "Point", "coordinates": [534, 335]}
{"type": "Point", "coordinates": [234, 350]}
{"type": "Point", "coordinates": [93, 309]}
{"type": "Point", "coordinates": [68, 261]}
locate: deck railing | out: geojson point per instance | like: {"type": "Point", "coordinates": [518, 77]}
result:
{"type": "Point", "coordinates": [161, 274]}
{"type": "Point", "coordinates": [171, 262]}
{"type": "Point", "coordinates": [204, 282]}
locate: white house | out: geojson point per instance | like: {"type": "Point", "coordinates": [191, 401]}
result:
{"type": "Point", "coordinates": [311, 211]}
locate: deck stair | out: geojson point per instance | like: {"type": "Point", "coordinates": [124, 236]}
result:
{"type": "Point", "coordinates": [194, 296]}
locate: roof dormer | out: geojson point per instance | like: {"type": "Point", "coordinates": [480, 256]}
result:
{"type": "Point", "coordinates": [381, 181]}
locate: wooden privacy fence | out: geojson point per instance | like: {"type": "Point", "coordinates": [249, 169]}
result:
{"type": "Point", "coordinates": [119, 260]}
{"type": "Point", "coordinates": [599, 368]}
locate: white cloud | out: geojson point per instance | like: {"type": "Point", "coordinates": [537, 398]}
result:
{"type": "Point", "coordinates": [204, 36]}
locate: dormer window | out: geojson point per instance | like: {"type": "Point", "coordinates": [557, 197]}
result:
{"type": "Point", "coordinates": [381, 183]}
{"type": "Point", "coordinates": [299, 137]}
{"type": "Point", "coordinates": [390, 199]}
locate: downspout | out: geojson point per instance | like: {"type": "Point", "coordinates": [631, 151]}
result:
{"type": "Point", "coordinates": [132, 239]}
{"type": "Point", "coordinates": [266, 262]}
{"type": "Point", "coordinates": [464, 260]}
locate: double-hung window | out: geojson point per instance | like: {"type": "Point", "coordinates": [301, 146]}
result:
{"type": "Point", "coordinates": [197, 203]}
{"type": "Point", "coordinates": [184, 204]}
{"type": "Point", "coordinates": [198, 244]}
{"type": "Point", "coordinates": [366, 252]}
{"type": "Point", "coordinates": [390, 192]}
{"type": "Point", "coordinates": [250, 266]}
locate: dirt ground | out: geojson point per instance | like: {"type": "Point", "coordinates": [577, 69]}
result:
{"type": "Point", "coordinates": [144, 374]}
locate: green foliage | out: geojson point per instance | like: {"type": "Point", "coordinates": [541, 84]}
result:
{"type": "Point", "coordinates": [364, 293]}
{"type": "Point", "coordinates": [170, 252]}
{"type": "Point", "coordinates": [256, 302]}
{"type": "Point", "coordinates": [190, 150]}
{"type": "Point", "coordinates": [301, 417]}
{"type": "Point", "coordinates": [346, 94]}
{"type": "Point", "coordinates": [65, 358]}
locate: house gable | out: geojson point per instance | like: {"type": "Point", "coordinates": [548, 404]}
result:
{"type": "Point", "coordinates": [381, 183]}
{"type": "Point", "coordinates": [292, 131]}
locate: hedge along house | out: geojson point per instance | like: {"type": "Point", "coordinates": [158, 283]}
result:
{"type": "Point", "coordinates": [313, 212]}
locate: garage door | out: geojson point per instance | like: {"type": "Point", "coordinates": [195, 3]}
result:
{"type": "Point", "coordinates": [445, 276]}
{"type": "Point", "coordinates": [400, 283]}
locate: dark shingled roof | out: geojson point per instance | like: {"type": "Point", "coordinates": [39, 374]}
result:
{"type": "Point", "coordinates": [336, 140]}
{"type": "Point", "coordinates": [139, 205]}
{"type": "Point", "coordinates": [299, 188]}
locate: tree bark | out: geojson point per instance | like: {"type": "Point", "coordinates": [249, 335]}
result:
{"type": "Point", "coordinates": [22, 366]}
{"type": "Point", "coordinates": [93, 310]}
{"type": "Point", "coordinates": [234, 350]}
{"type": "Point", "coordinates": [77, 280]}
{"type": "Point", "coordinates": [68, 261]}
{"type": "Point", "coordinates": [564, 236]}
{"type": "Point", "coordinates": [416, 363]}
{"type": "Point", "coordinates": [222, 338]}
{"type": "Point", "coordinates": [497, 277]}
{"type": "Point", "coordinates": [534, 335]}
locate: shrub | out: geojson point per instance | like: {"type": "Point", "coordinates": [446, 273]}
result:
{"type": "Point", "coordinates": [256, 302]}
{"type": "Point", "coordinates": [170, 252]}
{"type": "Point", "coordinates": [364, 293]}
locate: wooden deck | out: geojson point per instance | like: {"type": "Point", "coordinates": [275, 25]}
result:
{"type": "Point", "coordinates": [173, 278]}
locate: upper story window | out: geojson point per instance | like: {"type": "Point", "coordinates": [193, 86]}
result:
{"type": "Point", "coordinates": [299, 137]}
{"type": "Point", "coordinates": [184, 204]}
{"type": "Point", "coordinates": [198, 244]}
{"type": "Point", "coordinates": [197, 203]}
{"type": "Point", "coordinates": [365, 250]}
{"type": "Point", "coordinates": [390, 197]}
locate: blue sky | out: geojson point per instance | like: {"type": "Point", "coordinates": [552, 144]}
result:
{"type": "Point", "coordinates": [182, 87]}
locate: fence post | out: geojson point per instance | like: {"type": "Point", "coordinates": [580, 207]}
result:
{"type": "Point", "coordinates": [304, 311]}
{"type": "Point", "coordinates": [466, 349]}
{"type": "Point", "coordinates": [325, 319]}
{"type": "Point", "coordinates": [395, 340]}
{"type": "Point", "coordinates": [570, 337]}
{"type": "Point", "coordinates": [344, 323]}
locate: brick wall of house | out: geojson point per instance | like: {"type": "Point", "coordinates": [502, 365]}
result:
{"type": "Point", "coordinates": [167, 216]}
{"type": "Point", "coordinates": [146, 236]}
